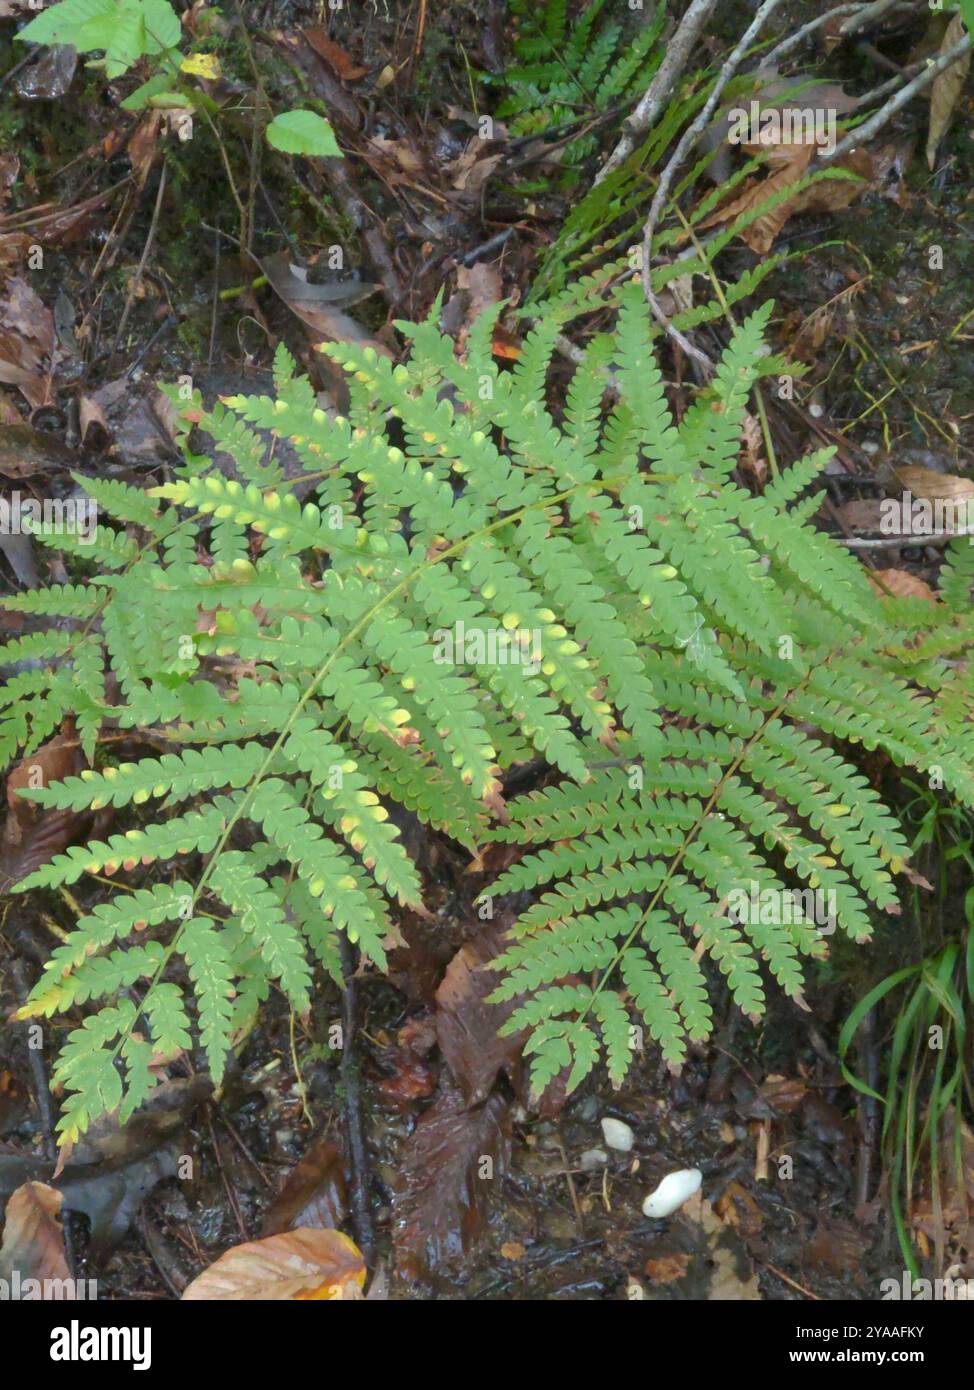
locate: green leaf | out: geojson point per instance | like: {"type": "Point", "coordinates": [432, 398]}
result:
{"type": "Point", "coordinates": [303, 132]}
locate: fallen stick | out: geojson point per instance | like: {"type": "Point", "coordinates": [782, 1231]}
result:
{"type": "Point", "coordinates": [879, 118]}
{"type": "Point", "coordinates": [869, 14]}
{"type": "Point", "coordinates": [686, 143]}
{"type": "Point", "coordinates": [664, 80]}
{"type": "Point", "coordinates": [800, 35]}
{"type": "Point", "coordinates": [357, 1152]}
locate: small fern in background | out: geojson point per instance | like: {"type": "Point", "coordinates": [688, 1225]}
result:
{"type": "Point", "coordinates": [562, 73]}
{"type": "Point", "coordinates": [479, 583]}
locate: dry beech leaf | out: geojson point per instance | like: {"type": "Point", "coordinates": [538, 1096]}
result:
{"type": "Point", "coordinates": [341, 63]}
{"type": "Point", "coordinates": [901, 584]}
{"type": "Point", "coordinates": [667, 1269]}
{"type": "Point", "coordinates": [946, 88]}
{"type": "Point", "coordinates": [33, 1237]}
{"type": "Point", "coordinates": [480, 286]}
{"type": "Point", "coordinates": [761, 233]}
{"type": "Point", "coordinates": [931, 486]}
{"type": "Point", "coordinates": [296, 1265]}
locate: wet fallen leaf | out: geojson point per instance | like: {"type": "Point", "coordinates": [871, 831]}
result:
{"type": "Point", "coordinates": [480, 286]}
{"type": "Point", "coordinates": [467, 1026]}
{"type": "Point", "coordinates": [317, 305]}
{"type": "Point", "coordinates": [863, 514]}
{"type": "Point", "coordinates": [50, 77]}
{"type": "Point", "coordinates": [409, 1079]}
{"type": "Point", "coordinates": [143, 145]}
{"type": "Point", "coordinates": [836, 1246]}
{"type": "Point", "coordinates": [32, 836]}
{"type": "Point", "coordinates": [398, 161]}
{"type": "Point", "coordinates": [295, 1265]}
{"type": "Point", "coordinates": [33, 1237]}
{"type": "Point", "coordinates": [449, 1167]}
{"type": "Point", "coordinates": [470, 170]}
{"type": "Point", "coordinates": [783, 1093]}
{"type": "Point", "coordinates": [731, 1275]}
{"type": "Point", "coordinates": [946, 89]}
{"type": "Point", "coordinates": [738, 1208]}
{"type": "Point", "coordinates": [312, 1195]}
{"type": "Point", "coordinates": [109, 1194]}
{"type": "Point", "coordinates": [26, 452]}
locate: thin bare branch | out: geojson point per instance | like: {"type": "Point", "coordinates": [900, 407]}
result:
{"type": "Point", "coordinates": [686, 143]}
{"type": "Point", "coordinates": [664, 80]}
{"type": "Point", "coordinates": [868, 129]}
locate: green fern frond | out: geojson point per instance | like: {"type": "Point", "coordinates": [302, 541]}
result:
{"type": "Point", "coordinates": [486, 583]}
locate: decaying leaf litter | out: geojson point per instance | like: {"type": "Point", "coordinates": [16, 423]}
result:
{"type": "Point", "coordinates": [421, 1138]}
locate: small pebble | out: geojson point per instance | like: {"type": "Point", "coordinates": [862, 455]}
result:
{"type": "Point", "coordinates": [593, 1158]}
{"type": "Point", "coordinates": [672, 1192]}
{"type": "Point", "coordinates": [617, 1134]}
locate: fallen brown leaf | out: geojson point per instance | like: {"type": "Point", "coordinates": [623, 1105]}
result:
{"type": "Point", "coordinates": [946, 89]}
{"type": "Point", "coordinates": [342, 63]}
{"type": "Point", "coordinates": [32, 836]}
{"type": "Point", "coordinates": [33, 1237]}
{"type": "Point", "coordinates": [313, 1193]}
{"type": "Point", "coordinates": [296, 1265]}
{"type": "Point", "coordinates": [449, 1166]}
{"type": "Point", "coordinates": [315, 308]}
{"type": "Point", "coordinates": [901, 584]}
{"type": "Point", "coordinates": [26, 340]}
{"type": "Point", "coordinates": [467, 1025]}
{"type": "Point", "coordinates": [759, 235]}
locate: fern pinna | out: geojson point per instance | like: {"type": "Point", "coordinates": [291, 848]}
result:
{"type": "Point", "coordinates": [480, 583]}
{"type": "Point", "coordinates": [563, 72]}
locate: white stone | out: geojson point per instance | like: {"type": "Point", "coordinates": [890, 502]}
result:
{"type": "Point", "coordinates": [593, 1158]}
{"type": "Point", "coordinates": [617, 1134]}
{"type": "Point", "coordinates": [672, 1192]}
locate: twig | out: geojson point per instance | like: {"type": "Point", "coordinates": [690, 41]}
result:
{"type": "Point", "coordinates": [666, 76]}
{"type": "Point", "coordinates": [868, 15]}
{"type": "Point", "coordinates": [800, 35]}
{"type": "Point", "coordinates": [358, 1154]}
{"type": "Point", "coordinates": [35, 1060]}
{"type": "Point", "coordinates": [45, 1108]}
{"type": "Point", "coordinates": [686, 143]}
{"type": "Point", "coordinates": [864, 132]}
{"type": "Point", "coordinates": [216, 299]}
{"type": "Point", "coordinates": [227, 1185]}
{"type": "Point", "coordinates": [260, 101]}
{"type": "Point", "coordinates": [868, 1108]}
{"type": "Point", "coordinates": [143, 353]}
{"type": "Point", "coordinates": [487, 247]}
{"type": "Point", "coordinates": [896, 542]}
{"type": "Point", "coordinates": [137, 282]}
{"type": "Point", "coordinates": [890, 85]}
